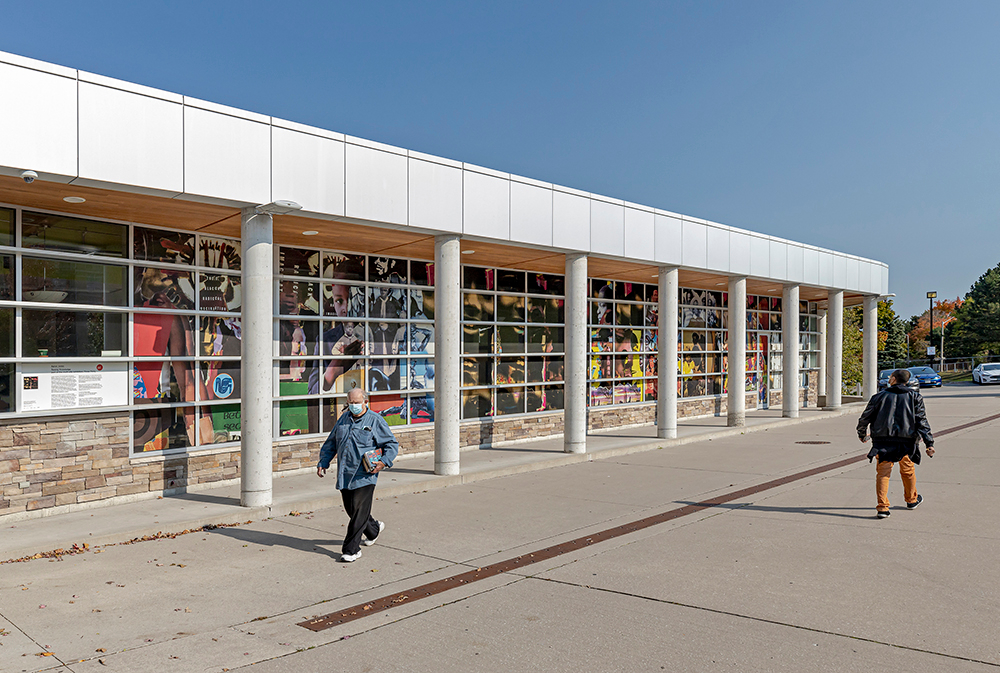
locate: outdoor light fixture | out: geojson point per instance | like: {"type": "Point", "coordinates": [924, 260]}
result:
{"type": "Point", "coordinates": [310, 233]}
{"type": "Point", "coordinates": [277, 208]}
{"type": "Point", "coordinates": [468, 252]}
{"type": "Point", "coordinates": [74, 199]}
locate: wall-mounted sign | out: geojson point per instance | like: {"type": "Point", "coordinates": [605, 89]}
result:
{"type": "Point", "coordinates": [72, 386]}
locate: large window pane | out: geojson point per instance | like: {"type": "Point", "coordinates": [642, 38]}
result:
{"type": "Point", "coordinates": [219, 253]}
{"type": "Point", "coordinates": [295, 298]}
{"type": "Point", "coordinates": [221, 337]}
{"type": "Point", "coordinates": [387, 270]}
{"type": "Point", "coordinates": [343, 301]}
{"type": "Point", "coordinates": [510, 308]}
{"type": "Point", "coordinates": [6, 226]}
{"type": "Point", "coordinates": [224, 423]}
{"type": "Point", "coordinates": [73, 334]}
{"type": "Point", "coordinates": [478, 307]}
{"type": "Point", "coordinates": [294, 262]}
{"type": "Point", "coordinates": [421, 375]}
{"type": "Point", "coordinates": [298, 417]}
{"type": "Point", "coordinates": [61, 281]}
{"type": "Point", "coordinates": [343, 267]}
{"type": "Point", "coordinates": [154, 245]}
{"type": "Point", "coordinates": [6, 332]}
{"type": "Point", "coordinates": [220, 293]}
{"type": "Point", "coordinates": [220, 380]}
{"type": "Point", "coordinates": [160, 429]}
{"type": "Point", "coordinates": [421, 273]}
{"type": "Point", "coordinates": [6, 387]}
{"type": "Point", "coordinates": [6, 277]}
{"type": "Point", "coordinates": [163, 288]}
{"type": "Point", "coordinates": [163, 335]}
{"type": "Point", "coordinates": [70, 234]}
{"type": "Point", "coordinates": [386, 303]}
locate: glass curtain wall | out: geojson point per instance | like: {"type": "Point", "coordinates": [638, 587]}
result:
{"type": "Point", "coordinates": [348, 320]}
{"type": "Point", "coordinates": [513, 342]}
{"type": "Point", "coordinates": [623, 363]}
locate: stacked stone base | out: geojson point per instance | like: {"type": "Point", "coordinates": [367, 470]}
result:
{"type": "Point", "coordinates": [77, 460]}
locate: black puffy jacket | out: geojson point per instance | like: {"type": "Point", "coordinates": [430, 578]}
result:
{"type": "Point", "coordinates": [896, 413]}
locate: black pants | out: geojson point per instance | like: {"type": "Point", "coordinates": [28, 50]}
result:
{"type": "Point", "coordinates": [358, 503]}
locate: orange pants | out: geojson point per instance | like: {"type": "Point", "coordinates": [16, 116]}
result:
{"type": "Point", "coordinates": [907, 470]}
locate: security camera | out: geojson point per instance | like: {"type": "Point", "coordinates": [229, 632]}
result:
{"type": "Point", "coordinates": [29, 176]}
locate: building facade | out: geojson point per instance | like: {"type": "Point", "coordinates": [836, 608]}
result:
{"type": "Point", "coordinates": [189, 291]}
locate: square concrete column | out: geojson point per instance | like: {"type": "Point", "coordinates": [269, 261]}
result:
{"type": "Point", "coordinates": [257, 359]}
{"type": "Point", "coordinates": [790, 351]}
{"type": "Point", "coordinates": [869, 362]}
{"type": "Point", "coordinates": [575, 412]}
{"type": "Point", "coordinates": [834, 348]}
{"type": "Point", "coordinates": [821, 384]}
{"type": "Point", "coordinates": [666, 354]}
{"type": "Point", "coordinates": [447, 353]}
{"type": "Point", "coordinates": [736, 403]}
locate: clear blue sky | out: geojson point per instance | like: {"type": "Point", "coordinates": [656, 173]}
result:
{"type": "Point", "coordinates": [867, 127]}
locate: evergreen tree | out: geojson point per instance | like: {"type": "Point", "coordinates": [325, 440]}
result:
{"type": "Point", "coordinates": [977, 330]}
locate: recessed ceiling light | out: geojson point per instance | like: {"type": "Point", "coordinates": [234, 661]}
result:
{"type": "Point", "coordinates": [656, 275]}
{"type": "Point", "coordinates": [468, 252]}
{"type": "Point", "coordinates": [309, 233]}
{"type": "Point", "coordinates": [719, 284]}
{"type": "Point", "coordinates": [74, 199]}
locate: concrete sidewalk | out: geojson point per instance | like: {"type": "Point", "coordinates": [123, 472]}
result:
{"type": "Point", "coordinates": [24, 535]}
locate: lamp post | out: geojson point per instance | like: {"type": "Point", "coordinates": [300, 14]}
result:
{"type": "Point", "coordinates": [943, 323]}
{"type": "Point", "coordinates": [930, 328]}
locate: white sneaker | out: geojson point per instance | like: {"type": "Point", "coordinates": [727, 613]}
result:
{"type": "Point", "coordinates": [368, 543]}
{"type": "Point", "coordinates": [350, 558]}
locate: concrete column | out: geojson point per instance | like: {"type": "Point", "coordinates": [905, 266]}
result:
{"type": "Point", "coordinates": [870, 347]}
{"type": "Point", "coordinates": [666, 354]}
{"type": "Point", "coordinates": [790, 351]}
{"type": "Point", "coordinates": [834, 349]}
{"type": "Point", "coordinates": [736, 414]}
{"type": "Point", "coordinates": [575, 413]}
{"type": "Point", "coordinates": [257, 359]}
{"type": "Point", "coordinates": [447, 353]}
{"type": "Point", "coordinates": [821, 384]}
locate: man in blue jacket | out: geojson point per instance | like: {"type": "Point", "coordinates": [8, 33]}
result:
{"type": "Point", "coordinates": [897, 420]}
{"type": "Point", "coordinates": [358, 431]}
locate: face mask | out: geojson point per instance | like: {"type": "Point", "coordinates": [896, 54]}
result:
{"type": "Point", "coordinates": [356, 409]}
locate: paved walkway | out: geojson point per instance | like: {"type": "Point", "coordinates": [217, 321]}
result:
{"type": "Point", "coordinates": [797, 577]}
{"type": "Point", "coordinates": [25, 534]}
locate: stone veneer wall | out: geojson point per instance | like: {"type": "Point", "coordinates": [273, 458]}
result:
{"type": "Point", "coordinates": [79, 459]}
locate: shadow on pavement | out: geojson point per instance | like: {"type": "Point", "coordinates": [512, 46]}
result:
{"type": "Point", "coordinates": [820, 511]}
{"type": "Point", "coordinates": [279, 540]}
{"type": "Point", "coordinates": [205, 497]}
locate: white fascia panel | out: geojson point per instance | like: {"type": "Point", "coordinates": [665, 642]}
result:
{"type": "Point", "coordinates": [38, 128]}
{"type": "Point", "coordinates": [667, 234]}
{"type": "Point", "coordinates": [795, 264]}
{"type": "Point", "coordinates": [739, 252]}
{"type": "Point", "coordinates": [122, 85]}
{"type": "Point", "coordinates": [640, 236]}
{"type": "Point", "coordinates": [530, 214]}
{"type": "Point", "coordinates": [372, 145]}
{"type": "Point", "coordinates": [570, 221]}
{"type": "Point", "coordinates": [607, 227]}
{"type": "Point", "coordinates": [209, 106]}
{"type": "Point", "coordinates": [840, 272]}
{"type": "Point", "coordinates": [779, 259]}
{"type": "Point", "coordinates": [718, 249]}
{"type": "Point", "coordinates": [852, 282]}
{"type": "Point", "coordinates": [435, 196]}
{"type": "Point", "coordinates": [825, 268]}
{"type": "Point", "coordinates": [760, 257]}
{"type": "Point", "coordinates": [875, 278]}
{"type": "Point", "coordinates": [309, 170]}
{"type": "Point", "coordinates": [304, 128]}
{"type": "Point", "coordinates": [226, 158]}
{"type": "Point", "coordinates": [34, 64]}
{"type": "Point", "coordinates": [131, 139]}
{"type": "Point", "coordinates": [486, 205]}
{"type": "Point", "coordinates": [884, 284]}
{"type": "Point", "coordinates": [694, 241]}
{"type": "Point", "coordinates": [376, 185]}
{"type": "Point", "coordinates": [810, 266]}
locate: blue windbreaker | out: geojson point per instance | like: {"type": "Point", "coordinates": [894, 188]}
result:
{"type": "Point", "coordinates": [349, 440]}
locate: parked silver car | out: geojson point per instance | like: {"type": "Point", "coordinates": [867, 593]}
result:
{"type": "Point", "coordinates": [988, 372]}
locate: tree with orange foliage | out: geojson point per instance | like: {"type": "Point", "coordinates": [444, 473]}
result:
{"type": "Point", "coordinates": [920, 324]}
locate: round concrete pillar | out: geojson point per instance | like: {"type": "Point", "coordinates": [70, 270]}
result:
{"type": "Point", "coordinates": [575, 413]}
{"type": "Point", "coordinates": [666, 354]}
{"type": "Point", "coordinates": [447, 353]}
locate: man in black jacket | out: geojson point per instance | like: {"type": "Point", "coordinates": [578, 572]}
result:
{"type": "Point", "coordinates": [897, 419]}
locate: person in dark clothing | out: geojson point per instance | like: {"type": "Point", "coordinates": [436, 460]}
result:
{"type": "Point", "coordinates": [897, 420]}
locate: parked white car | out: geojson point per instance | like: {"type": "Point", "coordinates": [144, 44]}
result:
{"type": "Point", "coordinates": [988, 372]}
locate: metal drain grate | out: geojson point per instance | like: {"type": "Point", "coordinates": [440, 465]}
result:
{"type": "Point", "coordinates": [812, 441]}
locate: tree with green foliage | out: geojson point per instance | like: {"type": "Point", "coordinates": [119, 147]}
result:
{"type": "Point", "coordinates": [892, 347]}
{"type": "Point", "coordinates": [852, 358]}
{"type": "Point", "coordinates": [977, 328]}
